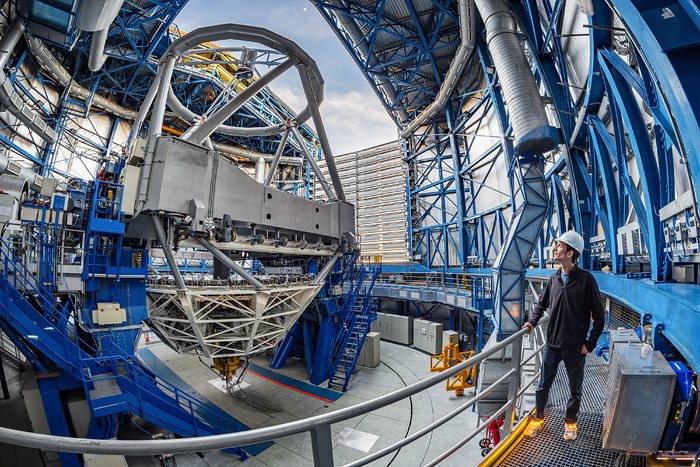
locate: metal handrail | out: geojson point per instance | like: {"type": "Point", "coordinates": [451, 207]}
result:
{"type": "Point", "coordinates": [319, 425]}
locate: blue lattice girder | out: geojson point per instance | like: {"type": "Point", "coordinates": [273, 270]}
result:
{"type": "Point", "coordinates": [403, 51]}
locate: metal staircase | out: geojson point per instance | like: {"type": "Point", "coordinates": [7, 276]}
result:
{"type": "Point", "coordinates": [359, 311]}
{"type": "Point", "coordinates": [49, 336]}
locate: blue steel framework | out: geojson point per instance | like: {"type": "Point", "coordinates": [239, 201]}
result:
{"type": "Point", "coordinates": [136, 40]}
{"type": "Point", "coordinates": [616, 162]}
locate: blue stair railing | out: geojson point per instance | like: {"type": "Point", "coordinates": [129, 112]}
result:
{"type": "Point", "coordinates": [54, 334]}
{"type": "Point", "coordinates": [358, 318]}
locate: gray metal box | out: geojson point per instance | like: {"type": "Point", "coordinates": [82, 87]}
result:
{"type": "Point", "coordinates": [450, 337]}
{"type": "Point", "coordinates": [419, 329]}
{"type": "Point", "coordinates": [394, 328]}
{"type": "Point", "coordinates": [183, 171]}
{"type": "Point", "coordinates": [403, 329]}
{"type": "Point", "coordinates": [433, 345]}
{"type": "Point", "coordinates": [369, 355]}
{"type": "Point", "coordinates": [638, 397]}
{"type": "Point", "coordinates": [427, 336]}
{"type": "Point", "coordinates": [622, 336]}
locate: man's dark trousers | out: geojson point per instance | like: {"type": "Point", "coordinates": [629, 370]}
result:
{"type": "Point", "coordinates": [574, 362]}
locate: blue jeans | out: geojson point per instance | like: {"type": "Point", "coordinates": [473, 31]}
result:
{"type": "Point", "coordinates": [574, 363]}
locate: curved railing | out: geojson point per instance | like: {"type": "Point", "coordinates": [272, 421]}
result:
{"type": "Point", "coordinates": [319, 426]}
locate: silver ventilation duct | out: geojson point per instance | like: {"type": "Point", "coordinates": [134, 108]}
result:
{"type": "Point", "coordinates": [50, 65]}
{"type": "Point", "coordinates": [9, 98]}
{"type": "Point", "coordinates": [525, 107]}
{"type": "Point", "coordinates": [453, 75]}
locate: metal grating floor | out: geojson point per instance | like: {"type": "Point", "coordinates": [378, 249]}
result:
{"type": "Point", "coordinates": [548, 448]}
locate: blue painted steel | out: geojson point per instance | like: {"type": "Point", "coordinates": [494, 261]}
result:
{"type": "Point", "coordinates": [663, 302]}
{"type": "Point", "coordinates": [302, 386]}
{"type": "Point", "coordinates": [156, 365]}
{"type": "Point", "coordinates": [405, 74]}
{"type": "Point", "coordinates": [56, 417]}
{"type": "Point", "coordinates": [648, 170]}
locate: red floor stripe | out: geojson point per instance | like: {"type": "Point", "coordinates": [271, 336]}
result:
{"type": "Point", "coordinates": [290, 387]}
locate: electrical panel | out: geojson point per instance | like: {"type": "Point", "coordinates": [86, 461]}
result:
{"type": "Point", "coordinates": [599, 247]}
{"type": "Point", "coordinates": [630, 241]}
{"type": "Point", "coordinates": [679, 221]}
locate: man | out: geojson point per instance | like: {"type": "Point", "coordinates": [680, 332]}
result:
{"type": "Point", "coordinates": [573, 299]}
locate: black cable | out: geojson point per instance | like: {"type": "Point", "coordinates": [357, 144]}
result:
{"type": "Point", "coordinates": [139, 426]}
{"type": "Point", "coordinates": [410, 418]}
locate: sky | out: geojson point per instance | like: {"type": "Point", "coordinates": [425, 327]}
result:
{"type": "Point", "coordinates": [352, 113]}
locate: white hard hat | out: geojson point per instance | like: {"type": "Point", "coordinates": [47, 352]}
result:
{"type": "Point", "coordinates": [573, 239]}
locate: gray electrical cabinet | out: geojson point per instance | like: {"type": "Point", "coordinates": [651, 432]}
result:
{"type": "Point", "coordinates": [637, 398]}
{"type": "Point", "coordinates": [433, 343]}
{"type": "Point", "coordinates": [427, 336]}
{"type": "Point", "coordinates": [369, 354]}
{"type": "Point", "coordinates": [394, 328]}
{"type": "Point", "coordinates": [403, 329]}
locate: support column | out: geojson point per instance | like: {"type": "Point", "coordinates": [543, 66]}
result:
{"type": "Point", "coordinates": [56, 417]}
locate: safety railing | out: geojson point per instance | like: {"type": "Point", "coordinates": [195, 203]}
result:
{"type": "Point", "coordinates": [319, 426]}
{"type": "Point", "coordinates": [50, 317]}
{"type": "Point", "coordinates": [432, 280]}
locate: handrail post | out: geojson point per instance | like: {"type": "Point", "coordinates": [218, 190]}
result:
{"type": "Point", "coordinates": [513, 385]}
{"type": "Point", "coordinates": [322, 446]}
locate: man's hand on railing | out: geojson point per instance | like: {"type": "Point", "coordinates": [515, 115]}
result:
{"type": "Point", "coordinates": [529, 327]}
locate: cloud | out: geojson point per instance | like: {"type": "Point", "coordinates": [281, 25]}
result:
{"type": "Point", "coordinates": [353, 120]}
{"type": "Point", "coordinates": [356, 120]}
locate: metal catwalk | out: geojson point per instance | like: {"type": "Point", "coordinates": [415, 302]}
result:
{"type": "Point", "coordinates": [548, 448]}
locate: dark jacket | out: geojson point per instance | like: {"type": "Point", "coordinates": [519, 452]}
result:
{"type": "Point", "coordinates": [571, 308]}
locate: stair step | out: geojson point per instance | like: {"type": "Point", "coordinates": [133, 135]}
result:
{"type": "Point", "coordinates": [104, 388]}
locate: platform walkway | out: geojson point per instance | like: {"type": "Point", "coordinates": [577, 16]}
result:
{"type": "Point", "coordinates": [549, 448]}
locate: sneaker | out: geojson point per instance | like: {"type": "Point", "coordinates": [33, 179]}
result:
{"type": "Point", "coordinates": [533, 427]}
{"type": "Point", "coordinates": [570, 431]}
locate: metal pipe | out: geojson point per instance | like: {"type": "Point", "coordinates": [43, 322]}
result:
{"type": "Point", "coordinates": [97, 56]}
{"type": "Point", "coordinates": [428, 428]}
{"type": "Point", "coordinates": [249, 34]}
{"type": "Point", "coordinates": [326, 269]}
{"type": "Point", "coordinates": [51, 66]}
{"type": "Point", "coordinates": [158, 114]}
{"type": "Point", "coordinates": [314, 166]}
{"type": "Point", "coordinates": [8, 41]}
{"type": "Point", "coordinates": [145, 107]}
{"type": "Point", "coordinates": [260, 170]}
{"type": "Point", "coordinates": [531, 127]}
{"type": "Point", "coordinates": [96, 16]}
{"type": "Point", "coordinates": [34, 180]}
{"type": "Point", "coordinates": [278, 154]}
{"type": "Point", "coordinates": [321, 131]}
{"type": "Point", "coordinates": [231, 264]}
{"type": "Point", "coordinates": [186, 114]}
{"type": "Point", "coordinates": [454, 73]}
{"type": "Point", "coordinates": [254, 155]}
{"type": "Point", "coordinates": [224, 441]}
{"type": "Point", "coordinates": [213, 122]}
{"type": "Point", "coordinates": [10, 99]}
{"type": "Point", "coordinates": [154, 131]}
{"type": "Point", "coordinates": [162, 239]}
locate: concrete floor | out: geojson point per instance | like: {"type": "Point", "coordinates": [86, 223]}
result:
{"type": "Point", "coordinates": [267, 403]}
